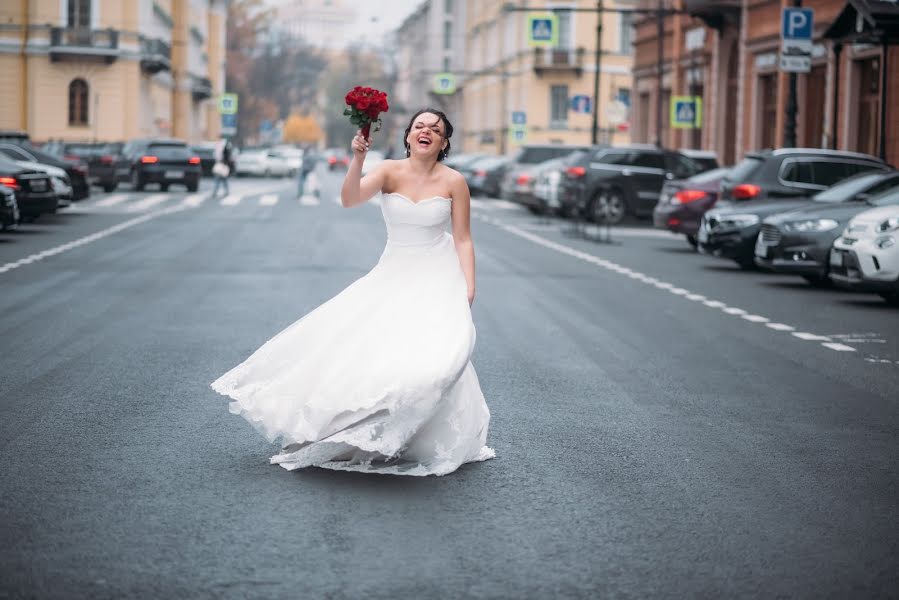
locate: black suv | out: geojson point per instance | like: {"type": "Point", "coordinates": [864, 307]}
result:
{"type": "Point", "coordinates": [76, 169]}
{"type": "Point", "coordinates": [100, 159]}
{"type": "Point", "coordinates": [770, 182]}
{"type": "Point", "coordinates": [158, 161]}
{"type": "Point", "coordinates": [609, 183]}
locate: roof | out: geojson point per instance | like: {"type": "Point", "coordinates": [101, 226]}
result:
{"type": "Point", "coordinates": [867, 21]}
{"type": "Point", "coordinates": [814, 151]}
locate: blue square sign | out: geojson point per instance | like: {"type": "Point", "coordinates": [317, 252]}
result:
{"type": "Point", "coordinates": [797, 23]}
{"type": "Point", "coordinates": [519, 117]}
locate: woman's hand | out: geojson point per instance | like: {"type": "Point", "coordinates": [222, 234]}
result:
{"type": "Point", "coordinates": [360, 145]}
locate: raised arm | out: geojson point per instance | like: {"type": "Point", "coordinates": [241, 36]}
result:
{"type": "Point", "coordinates": [357, 189]}
{"type": "Point", "coordinates": [462, 230]}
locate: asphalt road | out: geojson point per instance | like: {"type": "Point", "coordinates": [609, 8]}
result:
{"type": "Point", "coordinates": [666, 425]}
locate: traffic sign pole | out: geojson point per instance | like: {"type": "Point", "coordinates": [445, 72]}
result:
{"type": "Point", "coordinates": [792, 104]}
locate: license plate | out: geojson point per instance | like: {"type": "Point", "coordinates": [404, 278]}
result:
{"type": "Point", "coordinates": [703, 235]}
{"type": "Point", "coordinates": [174, 174]}
{"type": "Point", "coordinates": [38, 186]}
{"type": "Point", "coordinates": [761, 250]}
{"type": "Point", "coordinates": [836, 258]}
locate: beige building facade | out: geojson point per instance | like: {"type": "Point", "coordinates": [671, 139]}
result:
{"type": "Point", "coordinates": [112, 70]}
{"type": "Point", "coordinates": [504, 74]}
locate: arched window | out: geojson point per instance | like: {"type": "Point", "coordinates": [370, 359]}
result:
{"type": "Point", "coordinates": [78, 102]}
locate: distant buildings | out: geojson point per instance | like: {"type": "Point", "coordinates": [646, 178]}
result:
{"type": "Point", "coordinates": [319, 23]}
{"type": "Point", "coordinates": [112, 69]}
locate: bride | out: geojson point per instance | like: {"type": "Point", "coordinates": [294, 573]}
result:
{"type": "Point", "coordinates": [379, 378]}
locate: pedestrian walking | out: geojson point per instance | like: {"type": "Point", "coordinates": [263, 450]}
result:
{"type": "Point", "coordinates": [310, 159]}
{"type": "Point", "coordinates": [379, 378]}
{"type": "Point", "coordinates": [222, 167]}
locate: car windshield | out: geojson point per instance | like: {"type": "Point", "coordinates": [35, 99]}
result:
{"type": "Point", "coordinates": [709, 176]}
{"type": "Point", "coordinates": [744, 169]}
{"type": "Point", "coordinates": [845, 190]}
{"type": "Point", "coordinates": [168, 151]}
{"type": "Point", "coordinates": [82, 150]}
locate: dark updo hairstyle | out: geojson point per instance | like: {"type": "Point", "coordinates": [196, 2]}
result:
{"type": "Point", "coordinates": [447, 126]}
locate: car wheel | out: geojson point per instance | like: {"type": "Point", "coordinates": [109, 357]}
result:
{"type": "Point", "coordinates": [192, 187]}
{"type": "Point", "coordinates": [819, 281]}
{"type": "Point", "coordinates": [691, 239]}
{"type": "Point", "coordinates": [747, 264]}
{"type": "Point", "coordinates": [892, 298]}
{"type": "Point", "coordinates": [137, 184]}
{"type": "Point", "coordinates": [608, 207]}
{"type": "Point", "coordinates": [164, 187]}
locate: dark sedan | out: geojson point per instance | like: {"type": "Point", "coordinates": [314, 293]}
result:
{"type": "Point", "coordinates": [486, 175]}
{"type": "Point", "coordinates": [33, 189]}
{"type": "Point", "coordinates": [206, 152]}
{"type": "Point", "coordinates": [799, 241]}
{"type": "Point", "coordinates": [76, 169]}
{"type": "Point", "coordinates": [682, 203]}
{"type": "Point", "coordinates": [100, 159]}
{"type": "Point", "coordinates": [165, 162]}
{"type": "Point", "coordinates": [9, 208]}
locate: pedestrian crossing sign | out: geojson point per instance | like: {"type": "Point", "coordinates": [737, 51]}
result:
{"type": "Point", "coordinates": [686, 112]}
{"type": "Point", "coordinates": [444, 83]}
{"type": "Point", "coordinates": [543, 30]}
{"type": "Point", "coordinates": [518, 134]}
{"type": "Point", "coordinates": [228, 104]}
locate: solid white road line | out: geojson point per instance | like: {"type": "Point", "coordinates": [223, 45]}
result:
{"type": "Point", "coordinates": [194, 200]}
{"type": "Point", "coordinates": [91, 238]}
{"type": "Point", "coordinates": [678, 291]}
{"type": "Point", "coordinates": [148, 202]}
{"type": "Point", "coordinates": [268, 200]}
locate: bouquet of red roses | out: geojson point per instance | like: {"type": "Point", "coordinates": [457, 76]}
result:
{"type": "Point", "coordinates": [364, 106]}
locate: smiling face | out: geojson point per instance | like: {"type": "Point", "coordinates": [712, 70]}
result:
{"type": "Point", "coordinates": [427, 136]}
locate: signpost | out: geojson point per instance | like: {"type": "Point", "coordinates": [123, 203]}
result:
{"type": "Point", "coordinates": [519, 117]}
{"type": "Point", "coordinates": [543, 30]}
{"type": "Point", "coordinates": [229, 125]}
{"type": "Point", "coordinates": [518, 131]}
{"type": "Point", "coordinates": [686, 112]}
{"type": "Point", "coordinates": [227, 106]}
{"type": "Point", "coordinates": [444, 84]}
{"type": "Point", "coordinates": [581, 104]}
{"type": "Point", "coordinates": [797, 26]}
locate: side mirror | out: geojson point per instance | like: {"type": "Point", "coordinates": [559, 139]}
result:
{"type": "Point", "coordinates": [669, 176]}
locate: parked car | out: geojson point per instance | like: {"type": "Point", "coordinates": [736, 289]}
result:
{"type": "Point", "coordinates": [261, 162]}
{"type": "Point", "coordinates": [866, 256]}
{"type": "Point", "coordinates": [9, 208]}
{"type": "Point", "coordinates": [683, 202]}
{"type": "Point", "coordinates": [162, 161]}
{"type": "Point", "coordinates": [336, 158]}
{"type": "Point", "coordinates": [293, 156]}
{"type": "Point", "coordinates": [206, 152]}
{"type": "Point", "coordinates": [616, 181]}
{"type": "Point", "coordinates": [792, 172]}
{"type": "Point", "coordinates": [705, 158]}
{"type": "Point", "coordinates": [76, 169]}
{"type": "Point", "coordinates": [459, 162]}
{"type": "Point", "coordinates": [485, 175]}
{"type": "Point", "coordinates": [100, 159]}
{"type": "Point", "coordinates": [519, 179]}
{"type": "Point", "coordinates": [548, 176]}
{"type": "Point", "coordinates": [799, 241]}
{"type": "Point", "coordinates": [766, 183]}
{"type": "Point", "coordinates": [33, 189]}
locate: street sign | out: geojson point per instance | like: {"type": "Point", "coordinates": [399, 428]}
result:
{"type": "Point", "coordinates": [444, 83]}
{"type": "Point", "coordinates": [797, 28]}
{"type": "Point", "coordinates": [543, 30]}
{"type": "Point", "coordinates": [616, 112]}
{"type": "Point", "coordinates": [519, 117]}
{"type": "Point", "coordinates": [686, 112]}
{"type": "Point", "coordinates": [518, 134]}
{"type": "Point", "coordinates": [229, 125]}
{"type": "Point", "coordinates": [228, 104]}
{"type": "Point", "coordinates": [581, 104]}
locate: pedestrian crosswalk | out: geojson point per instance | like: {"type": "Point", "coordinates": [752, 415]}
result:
{"type": "Point", "coordinates": [141, 202]}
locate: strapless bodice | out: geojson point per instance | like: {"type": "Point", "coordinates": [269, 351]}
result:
{"type": "Point", "coordinates": [415, 223]}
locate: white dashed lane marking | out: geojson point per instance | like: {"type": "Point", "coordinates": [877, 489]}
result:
{"type": "Point", "coordinates": [744, 315]}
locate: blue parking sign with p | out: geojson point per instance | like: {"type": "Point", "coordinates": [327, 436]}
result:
{"type": "Point", "coordinates": [797, 23]}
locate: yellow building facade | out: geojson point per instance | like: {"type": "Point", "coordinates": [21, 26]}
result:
{"type": "Point", "coordinates": [505, 75]}
{"type": "Point", "coordinates": [112, 70]}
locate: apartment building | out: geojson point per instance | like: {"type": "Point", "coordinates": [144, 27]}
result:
{"type": "Point", "coordinates": [505, 75]}
{"type": "Point", "coordinates": [727, 52]}
{"type": "Point", "coordinates": [112, 69]}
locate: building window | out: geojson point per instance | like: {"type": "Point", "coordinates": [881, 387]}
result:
{"type": "Point", "coordinates": [624, 96]}
{"type": "Point", "coordinates": [868, 114]}
{"type": "Point", "coordinates": [768, 110]}
{"type": "Point", "coordinates": [565, 29]}
{"type": "Point", "coordinates": [446, 64]}
{"type": "Point", "coordinates": [447, 35]}
{"type": "Point", "coordinates": [78, 102]}
{"type": "Point", "coordinates": [79, 14]}
{"type": "Point", "coordinates": [448, 6]}
{"type": "Point", "coordinates": [558, 103]}
{"type": "Point", "coordinates": [626, 36]}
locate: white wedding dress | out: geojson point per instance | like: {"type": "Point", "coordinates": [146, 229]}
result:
{"type": "Point", "coordinates": [379, 377]}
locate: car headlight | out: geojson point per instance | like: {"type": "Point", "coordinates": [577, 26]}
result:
{"type": "Point", "coordinates": [811, 225]}
{"type": "Point", "coordinates": [891, 224]}
{"type": "Point", "coordinates": [885, 242]}
{"type": "Point", "coordinates": [737, 221]}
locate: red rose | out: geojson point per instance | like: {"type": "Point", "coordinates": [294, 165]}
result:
{"type": "Point", "coordinates": [363, 103]}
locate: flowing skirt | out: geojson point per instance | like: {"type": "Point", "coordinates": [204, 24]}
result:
{"type": "Point", "coordinates": [378, 378]}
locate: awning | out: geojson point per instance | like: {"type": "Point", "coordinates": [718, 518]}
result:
{"type": "Point", "coordinates": [867, 22]}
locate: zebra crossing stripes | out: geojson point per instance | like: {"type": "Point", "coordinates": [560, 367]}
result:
{"type": "Point", "coordinates": [147, 203]}
{"type": "Point", "coordinates": [268, 200]}
{"type": "Point", "coordinates": [110, 200]}
{"type": "Point", "coordinates": [309, 200]}
{"type": "Point", "coordinates": [231, 200]}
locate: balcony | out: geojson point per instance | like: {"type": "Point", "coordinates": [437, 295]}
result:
{"type": "Point", "coordinates": [80, 43]}
{"type": "Point", "coordinates": [559, 61]}
{"type": "Point", "coordinates": [155, 56]}
{"type": "Point", "coordinates": [715, 13]}
{"type": "Point", "coordinates": [200, 88]}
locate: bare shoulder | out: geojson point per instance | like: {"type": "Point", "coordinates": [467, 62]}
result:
{"type": "Point", "coordinates": [451, 176]}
